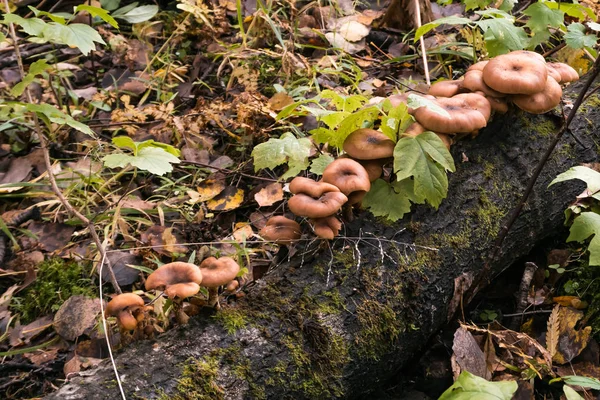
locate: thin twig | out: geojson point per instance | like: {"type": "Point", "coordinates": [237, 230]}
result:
{"type": "Point", "coordinates": [229, 171]}
{"type": "Point", "coordinates": [422, 41]}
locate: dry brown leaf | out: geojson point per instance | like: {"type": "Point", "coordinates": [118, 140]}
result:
{"type": "Point", "coordinates": [18, 171]}
{"type": "Point", "coordinates": [76, 316]}
{"type": "Point", "coordinates": [229, 199]}
{"type": "Point", "coordinates": [571, 341]}
{"type": "Point", "coordinates": [163, 240]}
{"type": "Point", "coordinates": [280, 100]}
{"type": "Point", "coordinates": [40, 357]}
{"type": "Point", "coordinates": [552, 332]}
{"type": "Point", "coordinates": [570, 301]}
{"type": "Point", "coordinates": [170, 242]}
{"type": "Point", "coordinates": [242, 232]}
{"type": "Point", "coordinates": [51, 236]}
{"type": "Point", "coordinates": [137, 203]}
{"type": "Point", "coordinates": [468, 354]}
{"type": "Point", "coordinates": [72, 366]}
{"type": "Point", "coordinates": [462, 283]}
{"type": "Point", "coordinates": [269, 195]}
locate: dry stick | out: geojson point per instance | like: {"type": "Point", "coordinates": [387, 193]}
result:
{"type": "Point", "coordinates": [483, 275]}
{"type": "Point", "coordinates": [422, 41]}
{"type": "Point", "coordinates": [44, 146]}
{"type": "Point", "coordinates": [530, 269]}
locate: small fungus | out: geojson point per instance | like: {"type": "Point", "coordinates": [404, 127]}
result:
{"type": "Point", "coordinates": [350, 177]}
{"type": "Point", "coordinates": [122, 306]}
{"type": "Point", "coordinates": [177, 279]}
{"type": "Point", "coordinates": [281, 230]}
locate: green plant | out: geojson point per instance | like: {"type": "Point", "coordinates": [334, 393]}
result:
{"type": "Point", "coordinates": [56, 281]}
{"type": "Point", "coordinates": [469, 386]}
{"type": "Point", "coordinates": [420, 163]}
{"type": "Point", "coordinates": [148, 155]}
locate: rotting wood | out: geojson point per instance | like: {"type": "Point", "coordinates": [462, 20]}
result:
{"type": "Point", "coordinates": [330, 327]}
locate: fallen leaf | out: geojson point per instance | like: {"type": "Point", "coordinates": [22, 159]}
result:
{"type": "Point", "coordinates": [163, 240]}
{"type": "Point", "coordinates": [462, 283]}
{"type": "Point", "coordinates": [206, 190]}
{"type": "Point", "coordinates": [468, 354]}
{"type": "Point", "coordinates": [125, 275]}
{"type": "Point", "coordinates": [571, 341]}
{"type": "Point", "coordinates": [22, 334]}
{"type": "Point", "coordinates": [137, 203]}
{"type": "Point", "coordinates": [353, 31]}
{"type": "Point", "coordinates": [269, 195]}
{"type": "Point", "coordinates": [76, 316]}
{"type": "Point", "coordinates": [337, 40]}
{"type": "Point", "coordinates": [279, 101]}
{"type": "Point", "coordinates": [242, 232]}
{"type": "Point", "coordinates": [229, 199]}
{"type": "Point", "coordinates": [51, 236]}
{"type": "Point", "coordinates": [18, 171]}
{"type": "Point", "coordinates": [72, 366]}
{"type": "Point", "coordinates": [40, 357]}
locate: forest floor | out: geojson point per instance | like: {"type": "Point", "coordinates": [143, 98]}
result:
{"type": "Point", "coordinates": [174, 103]}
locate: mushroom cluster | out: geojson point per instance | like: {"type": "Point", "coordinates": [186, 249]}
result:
{"type": "Point", "coordinates": [521, 77]}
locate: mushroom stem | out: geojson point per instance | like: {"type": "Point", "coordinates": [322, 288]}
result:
{"type": "Point", "coordinates": [127, 321]}
{"type": "Point", "coordinates": [213, 298]}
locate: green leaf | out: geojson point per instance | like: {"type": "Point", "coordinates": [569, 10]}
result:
{"type": "Point", "coordinates": [125, 142]}
{"type": "Point", "coordinates": [35, 69]}
{"type": "Point", "coordinates": [318, 165]}
{"type": "Point", "coordinates": [332, 120]}
{"type": "Point", "coordinates": [471, 387]}
{"type": "Point", "coordinates": [166, 147]}
{"type": "Point", "coordinates": [152, 159]}
{"type": "Point", "coordinates": [576, 37]}
{"type": "Point", "coordinates": [397, 119]}
{"type": "Point", "coordinates": [589, 383]}
{"type": "Point", "coordinates": [359, 119]}
{"type": "Point", "coordinates": [98, 12]}
{"type": "Point", "coordinates": [344, 103]}
{"type": "Point", "coordinates": [503, 35]}
{"type": "Point", "coordinates": [585, 225]}
{"type": "Point", "coordinates": [588, 175]}
{"type": "Point", "coordinates": [58, 117]}
{"type": "Point", "coordinates": [452, 20]}
{"type": "Point", "coordinates": [110, 5]}
{"type": "Point", "coordinates": [31, 26]}
{"type": "Point", "coordinates": [288, 149]}
{"type": "Point", "coordinates": [138, 14]}
{"type": "Point", "coordinates": [56, 18]}
{"type": "Point", "coordinates": [541, 17]}
{"type": "Point", "coordinates": [425, 158]}
{"type": "Point", "coordinates": [507, 5]}
{"type": "Point", "coordinates": [384, 201]}
{"type": "Point", "coordinates": [415, 101]}
{"type": "Point", "coordinates": [578, 11]}
{"type": "Point", "coordinates": [571, 394]}
{"type": "Point", "coordinates": [475, 4]}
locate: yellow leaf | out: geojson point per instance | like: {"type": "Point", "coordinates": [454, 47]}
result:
{"type": "Point", "coordinates": [229, 199]}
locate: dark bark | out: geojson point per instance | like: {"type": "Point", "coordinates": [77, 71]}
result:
{"type": "Point", "coordinates": [401, 14]}
{"type": "Point", "coordinates": [389, 290]}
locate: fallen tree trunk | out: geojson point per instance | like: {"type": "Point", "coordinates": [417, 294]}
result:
{"type": "Point", "coordinates": [332, 324]}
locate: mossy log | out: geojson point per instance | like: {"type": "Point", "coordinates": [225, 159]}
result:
{"type": "Point", "coordinates": [338, 323]}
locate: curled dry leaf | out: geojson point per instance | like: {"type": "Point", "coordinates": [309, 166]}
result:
{"type": "Point", "coordinates": [76, 316]}
{"type": "Point", "coordinates": [242, 232]}
{"type": "Point", "coordinates": [269, 195]}
{"type": "Point", "coordinates": [468, 354]}
{"type": "Point", "coordinates": [206, 191]}
{"type": "Point", "coordinates": [571, 340]}
{"type": "Point", "coordinates": [163, 240]}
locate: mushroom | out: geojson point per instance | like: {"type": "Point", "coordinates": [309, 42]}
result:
{"type": "Point", "coordinates": [562, 72]}
{"type": "Point", "coordinates": [541, 102]}
{"type": "Point", "coordinates": [177, 279]}
{"type": "Point", "coordinates": [446, 88]}
{"type": "Point", "coordinates": [374, 168]}
{"type": "Point", "coordinates": [281, 230]}
{"type": "Point", "coordinates": [327, 228]}
{"type": "Point", "coordinates": [121, 306]}
{"type": "Point", "coordinates": [467, 112]}
{"type": "Point", "coordinates": [474, 82]}
{"type": "Point", "coordinates": [478, 66]}
{"type": "Point", "coordinates": [518, 72]}
{"type": "Point", "coordinates": [217, 272]}
{"type": "Point", "coordinates": [315, 199]}
{"type": "Point", "coordinates": [368, 144]}
{"type": "Point", "coordinates": [350, 177]}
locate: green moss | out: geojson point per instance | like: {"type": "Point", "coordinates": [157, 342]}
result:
{"type": "Point", "coordinates": [488, 215]}
{"type": "Point", "coordinates": [232, 319]}
{"type": "Point", "coordinates": [56, 281]}
{"type": "Point", "coordinates": [488, 169]}
{"type": "Point", "coordinates": [380, 327]}
{"type": "Point", "coordinates": [593, 102]}
{"type": "Point", "coordinates": [197, 381]}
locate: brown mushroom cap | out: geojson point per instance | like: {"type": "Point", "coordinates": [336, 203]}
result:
{"type": "Point", "coordinates": [218, 271]}
{"type": "Point", "coordinates": [368, 144]}
{"type": "Point", "coordinates": [518, 72]}
{"type": "Point", "coordinates": [467, 112]}
{"type": "Point", "coordinates": [478, 66]}
{"type": "Point", "coordinates": [169, 275]}
{"type": "Point", "coordinates": [327, 228]}
{"type": "Point", "coordinates": [311, 188]}
{"type": "Point", "coordinates": [474, 82]}
{"type": "Point", "coordinates": [121, 307]}
{"type": "Point", "coordinates": [541, 102]}
{"type": "Point", "coordinates": [281, 230]}
{"type": "Point", "coordinates": [565, 72]}
{"type": "Point", "coordinates": [446, 88]}
{"type": "Point", "coordinates": [350, 177]}
{"type": "Point", "coordinates": [306, 206]}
